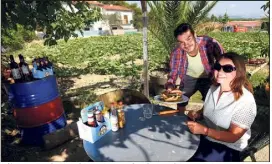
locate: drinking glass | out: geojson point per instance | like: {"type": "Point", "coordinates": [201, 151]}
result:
{"type": "Point", "coordinates": [148, 111]}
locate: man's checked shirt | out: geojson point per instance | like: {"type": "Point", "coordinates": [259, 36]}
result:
{"type": "Point", "coordinates": [209, 50]}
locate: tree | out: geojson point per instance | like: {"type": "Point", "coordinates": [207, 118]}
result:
{"type": "Point", "coordinates": [59, 20]}
{"type": "Point", "coordinates": [225, 19]}
{"type": "Point", "coordinates": [213, 18]}
{"type": "Point", "coordinates": [165, 16]}
{"type": "Point", "coordinates": [121, 2]}
{"type": "Point", "coordinates": [137, 16]}
{"type": "Point", "coordinates": [113, 19]}
{"type": "Point", "coordinates": [266, 7]}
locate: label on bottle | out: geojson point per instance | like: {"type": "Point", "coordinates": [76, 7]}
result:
{"type": "Point", "coordinates": [114, 123]}
{"type": "Point", "coordinates": [25, 69]}
{"type": "Point", "coordinates": [16, 73]}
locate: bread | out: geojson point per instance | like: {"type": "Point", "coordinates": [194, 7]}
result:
{"type": "Point", "coordinates": [171, 97]}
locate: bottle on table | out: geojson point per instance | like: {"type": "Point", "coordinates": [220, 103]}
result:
{"type": "Point", "coordinates": [106, 112]}
{"type": "Point", "coordinates": [114, 120]}
{"type": "Point", "coordinates": [112, 108]}
{"type": "Point", "coordinates": [15, 70]}
{"type": "Point", "coordinates": [25, 69]}
{"type": "Point", "coordinates": [99, 117]}
{"type": "Point", "coordinates": [121, 115]}
{"type": "Point", "coordinates": [91, 119]}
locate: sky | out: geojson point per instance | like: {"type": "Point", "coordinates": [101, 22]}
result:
{"type": "Point", "coordinates": [234, 9]}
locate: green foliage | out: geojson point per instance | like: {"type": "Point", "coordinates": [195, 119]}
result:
{"type": "Point", "coordinates": [250, 45]}
{"type": "Point", "coordinates": [165, 16]}
{"type": "Point", "coordinates": [117, 54]}
{"type": "Point", "coordinates": [266, 7]}
{"type": "Point", "coordinates": [137, 16]}
{"type": "Point", "coordinates": [258, 81]}
{"type": "Point", "coordinates": [214, 18]}
{"type": "Point", "coordinates": [259, 78]}
{"type": "Point", "coordinates": [266, 25]}
{"type": "Point", "coordinates": [113, 19]}
{"type": "Point", "coordinates": [58, 19]}
{"type": "Point", "coordinates": [121, 2]}
{"type": "Point", "coordinates": [224, 19]}
{"type": "Point", "coordinates": [16, 38]}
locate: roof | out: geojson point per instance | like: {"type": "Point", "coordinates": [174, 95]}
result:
{"type": "Point", "coordinates": [109, 7]}
{"type": "Point", "coordinates": [95, 3]}
{"type": "Point", "coordinates": [245, 23]}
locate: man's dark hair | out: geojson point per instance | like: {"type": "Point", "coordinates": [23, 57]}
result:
{"type": "Point", "coordinates": [182, 28]}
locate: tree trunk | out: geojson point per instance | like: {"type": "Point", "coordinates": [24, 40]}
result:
{"type": "Point", "coordinates": [145, 44]}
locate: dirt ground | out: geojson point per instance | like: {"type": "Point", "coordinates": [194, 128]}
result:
{"type": "Point", "coordinates": [72, 151]}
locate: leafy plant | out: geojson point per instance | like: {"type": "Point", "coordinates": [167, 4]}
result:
{"type": "Point", "coordinates": [16, 38]}
{"type": "Point", "coordinates": [58, 19]}
{"type": "Point", "coordinates": [117, 54]}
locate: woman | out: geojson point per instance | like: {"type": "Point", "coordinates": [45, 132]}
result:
{"type": "Point", "coordinates": [229, 110]}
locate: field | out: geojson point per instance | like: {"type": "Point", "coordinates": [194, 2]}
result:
{"type": "Point", "coordinates": [119, 55]}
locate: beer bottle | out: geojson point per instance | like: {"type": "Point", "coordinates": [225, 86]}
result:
{"type": "Point", "coordinates": [34, 63]}
{"type": "Point", "coordinates": [99, 117]}
{"type": "Point", "coordinates": [91, 119]}
{"type": "Point", "coordinates": [25, 69]}
{"type": "Point", "coordinates": [15, 71]}
{"type": "Point", "coordinates": [111, 107]}
{"type": "Point", "coordinates": [38, 64]}
{"type": "Point", "coordinates": [121, 115]}
{"type": "Point", "coordinates": [114, 120]}
{"type": "Point", "coordinates": [42, 66]}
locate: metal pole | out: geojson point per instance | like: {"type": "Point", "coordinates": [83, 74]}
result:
{"type": "Point", "coordinates": [145, 55]}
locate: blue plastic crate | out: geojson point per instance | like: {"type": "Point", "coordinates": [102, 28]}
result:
{"type": "Point", "coordinates": [38, 74]}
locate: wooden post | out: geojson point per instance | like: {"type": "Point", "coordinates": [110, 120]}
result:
{"type": "Point", "coordinates": [145, 55]}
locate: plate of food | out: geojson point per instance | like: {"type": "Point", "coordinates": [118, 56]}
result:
{"type": "Point", "coordinates": [172, 98]}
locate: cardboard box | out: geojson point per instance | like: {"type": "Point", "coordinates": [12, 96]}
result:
{"type": "Point", "coordinates": [92, 134]}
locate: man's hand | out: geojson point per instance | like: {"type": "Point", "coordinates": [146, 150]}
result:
{"type": "Point", "coordinates": [169, 87]}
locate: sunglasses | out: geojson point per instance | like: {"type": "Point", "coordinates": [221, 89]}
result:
{"type": "Point", "coordinates": [226, 68]}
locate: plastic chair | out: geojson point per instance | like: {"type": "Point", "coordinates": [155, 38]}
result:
{"type": "Point", "coordinates": [260, 130]}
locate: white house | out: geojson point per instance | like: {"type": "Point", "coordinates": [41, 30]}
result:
{"type": "Point", "coordinates": [125, 13]}
{"type": "Point", "coordinates": [102, 27]}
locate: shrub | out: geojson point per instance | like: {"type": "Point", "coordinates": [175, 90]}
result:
{"type": "Point", "coordinates": [15, 39]}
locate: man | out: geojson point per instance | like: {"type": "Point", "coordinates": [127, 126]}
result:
{"type": "Point", "coordinates": [192, 61]}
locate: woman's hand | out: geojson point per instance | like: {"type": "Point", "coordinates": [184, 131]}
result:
{"type": "Point", "coordinates": [197, 128]}
{"type": "Point", "coordinates": [194, 115]}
